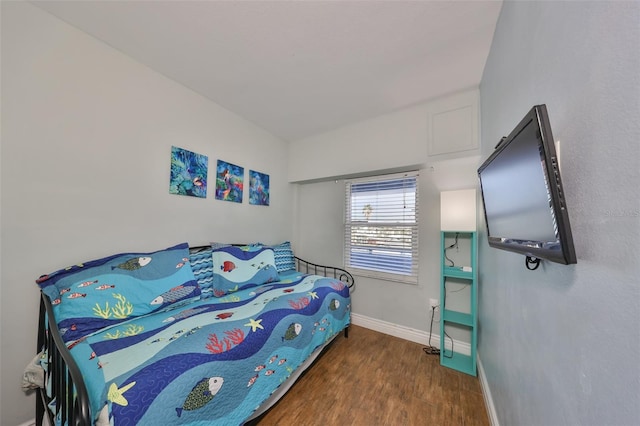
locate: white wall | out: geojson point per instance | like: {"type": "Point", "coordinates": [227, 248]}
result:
{"type": "Point", "coordinates": [86, 139]}
{"type": "Point", "coordinates": [390, 142]}
{"type": "Point", "coordinates": [560, 345]}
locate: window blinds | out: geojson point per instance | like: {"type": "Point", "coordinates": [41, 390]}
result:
{"type": "Point", "coordinates": [381, 227]}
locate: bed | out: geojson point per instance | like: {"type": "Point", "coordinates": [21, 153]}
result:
{"type": "Point", "coordinates": [201, 335]}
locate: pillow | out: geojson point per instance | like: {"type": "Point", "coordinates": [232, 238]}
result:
{"type": "Point", "coordinates": [239, 267]}
{"type": "Point", "coordinates": [202, 266]}
{"type": "Point", "coordinates": [284, 257]}
{"type": "Point", "coordinates": [245, 247]}
{"type": "Point", "coordinates": [104, 292]}
{"type": "Point", "coordinates": [216, 246]}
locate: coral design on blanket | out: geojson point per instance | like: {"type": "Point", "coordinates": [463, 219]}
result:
{"type": "Point", "coordinates": [219, 293]}
{"type": "Point", "coordinates": [120, 310]}
{"type": "Point", "coordinates": [338, 285]}
{"type": "Point", "coordinates": [234, 338]}
{"type": "Point", "coordinates": [130, 330]}
{"type": "Point", "coordinates": [301, 303]}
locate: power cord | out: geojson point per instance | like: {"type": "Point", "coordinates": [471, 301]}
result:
{"type": "Point", "coordinates": [431, 350]}
{"type": "Point", "coordinates": [455, 244]}
{"type": "Point", "coordinates": [444, 354]}
{"type": "Point", "coordinates": [444, 302]}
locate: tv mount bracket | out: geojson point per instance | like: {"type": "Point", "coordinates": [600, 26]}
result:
{"type": "Point", "coordinates": [531, 263]}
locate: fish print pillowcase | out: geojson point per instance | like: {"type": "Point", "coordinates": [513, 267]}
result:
{"type": "Point", "coordinates": [238, 267]}
{"type": "Point", "coordinates": [100, 293]}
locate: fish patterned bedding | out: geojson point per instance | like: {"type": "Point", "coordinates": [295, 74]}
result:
{"type": "Point", "coordinates": [172, 337]}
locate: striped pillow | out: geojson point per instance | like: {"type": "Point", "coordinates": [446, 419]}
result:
{"type": "Point", "coordinates": [202, 266]}
{"type": "Point", "coordinates": [284, 257]}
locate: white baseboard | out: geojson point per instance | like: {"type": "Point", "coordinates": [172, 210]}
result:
{"type": "Point", "coordinates": [31, 422]}
{"type": "Point", "coordinates": [486, 394]}
{"type": "Point", "coordinates": [407, 333]}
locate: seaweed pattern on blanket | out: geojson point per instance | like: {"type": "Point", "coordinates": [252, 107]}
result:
{"type": "Point", "coordinates": [213, 361]}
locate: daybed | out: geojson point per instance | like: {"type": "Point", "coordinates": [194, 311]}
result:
{"type": "Point", "coordinates": [199, 336]}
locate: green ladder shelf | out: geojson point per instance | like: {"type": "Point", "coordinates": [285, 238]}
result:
{"type": "Point", "coordinates": [448, 358]}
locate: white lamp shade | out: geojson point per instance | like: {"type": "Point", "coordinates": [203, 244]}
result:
{"type": "Point", "coordinates": [458, 210]}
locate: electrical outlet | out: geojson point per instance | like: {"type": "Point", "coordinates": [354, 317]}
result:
{"type": "Point", "coordinates": [433, 303]}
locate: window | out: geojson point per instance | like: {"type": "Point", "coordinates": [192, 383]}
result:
{"type": "Point", "coordinates": [381, 227]}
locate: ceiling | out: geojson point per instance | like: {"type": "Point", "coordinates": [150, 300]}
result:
{"type": "Point", "coordinates": [298, 68]}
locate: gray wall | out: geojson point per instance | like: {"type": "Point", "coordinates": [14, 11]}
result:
{"type": "Point", "coordinates": [560, 345]}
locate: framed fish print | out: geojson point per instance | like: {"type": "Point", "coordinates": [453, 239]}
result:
{"type": "Point", "coordinates": [258, 188]}
{"type": "Point", "coordinates": [188, 173]}
{"type": "Point", "coordinates": [229, 182]}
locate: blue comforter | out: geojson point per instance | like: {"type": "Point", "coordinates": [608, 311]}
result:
{"type": "Point", "coordinates": [214, 361]}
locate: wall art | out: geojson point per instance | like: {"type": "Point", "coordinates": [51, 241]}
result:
{"type": "Point", "coordinates": [188, 173]}
{"type": "Point", "coordinates": [229, 182]}
{"type": "Point", "coordinates": [258, 188]}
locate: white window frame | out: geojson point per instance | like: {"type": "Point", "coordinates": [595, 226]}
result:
{"type": "Point", "coordinates": [393, 249]}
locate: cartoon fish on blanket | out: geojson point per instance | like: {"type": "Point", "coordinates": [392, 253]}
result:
{"type": "Point", "coordinates": [173, 295]}
{"type": "Point", "coordinates": [133, 264]}
{"type": "Point", "coordinates": [76, 295]}
{"type": "Point", "coordinates": [260, 290]}
{"type": "Point", "coordinates": [87, 283]}
{"type": "Point", "coordinates": [252, 380]}
{"type": "Point", "coordinates": [228, 266]}
{"type": "Point", "coordinates": [105, 286]}
{"type": "Point", "coordinates": [185, 314]}
{"type": "Point", "coordinates": [201, 394]}
{"type": "Point", "coordinates": [292, 332]}
{"type": "Point", "coordinates": [335, 304]}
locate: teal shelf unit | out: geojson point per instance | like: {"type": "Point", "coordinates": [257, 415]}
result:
{"type": "Point", "coordinates": [463, 362]}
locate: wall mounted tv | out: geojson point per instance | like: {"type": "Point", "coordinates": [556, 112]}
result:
{"type": "Point", "coordinates": [524, 204]}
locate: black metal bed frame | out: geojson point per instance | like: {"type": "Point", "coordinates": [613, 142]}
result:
{"type": "Point", "coordinates": [69, 393]}
{"type": "Point", "coordinates": [67, 385]}
{"type": "Point", "coordinates": [326, 271]}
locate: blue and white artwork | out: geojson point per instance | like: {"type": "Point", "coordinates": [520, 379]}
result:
{"type": "Point", "coordinates": [258, 188]}
{"type": "Point", "coordinates": [188, 173]}
{"type": "Point", "coordinates": [229, 182]}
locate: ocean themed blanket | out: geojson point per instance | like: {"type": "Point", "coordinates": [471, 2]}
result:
{"type": "Point", "coordinates": [212, 361]}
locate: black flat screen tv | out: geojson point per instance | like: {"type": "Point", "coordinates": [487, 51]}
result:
{"type": "Point", "coordinates": [524, 204]}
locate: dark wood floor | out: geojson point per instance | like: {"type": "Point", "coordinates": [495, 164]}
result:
{"type": "Point", "coordinates": [376, 379]}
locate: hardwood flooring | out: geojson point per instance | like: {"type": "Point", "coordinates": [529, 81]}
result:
{"type": "Point", "coordinates": [372, 378]}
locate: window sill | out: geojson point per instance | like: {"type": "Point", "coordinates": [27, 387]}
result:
{"type": "Point", "coordinates": [397, 278]}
